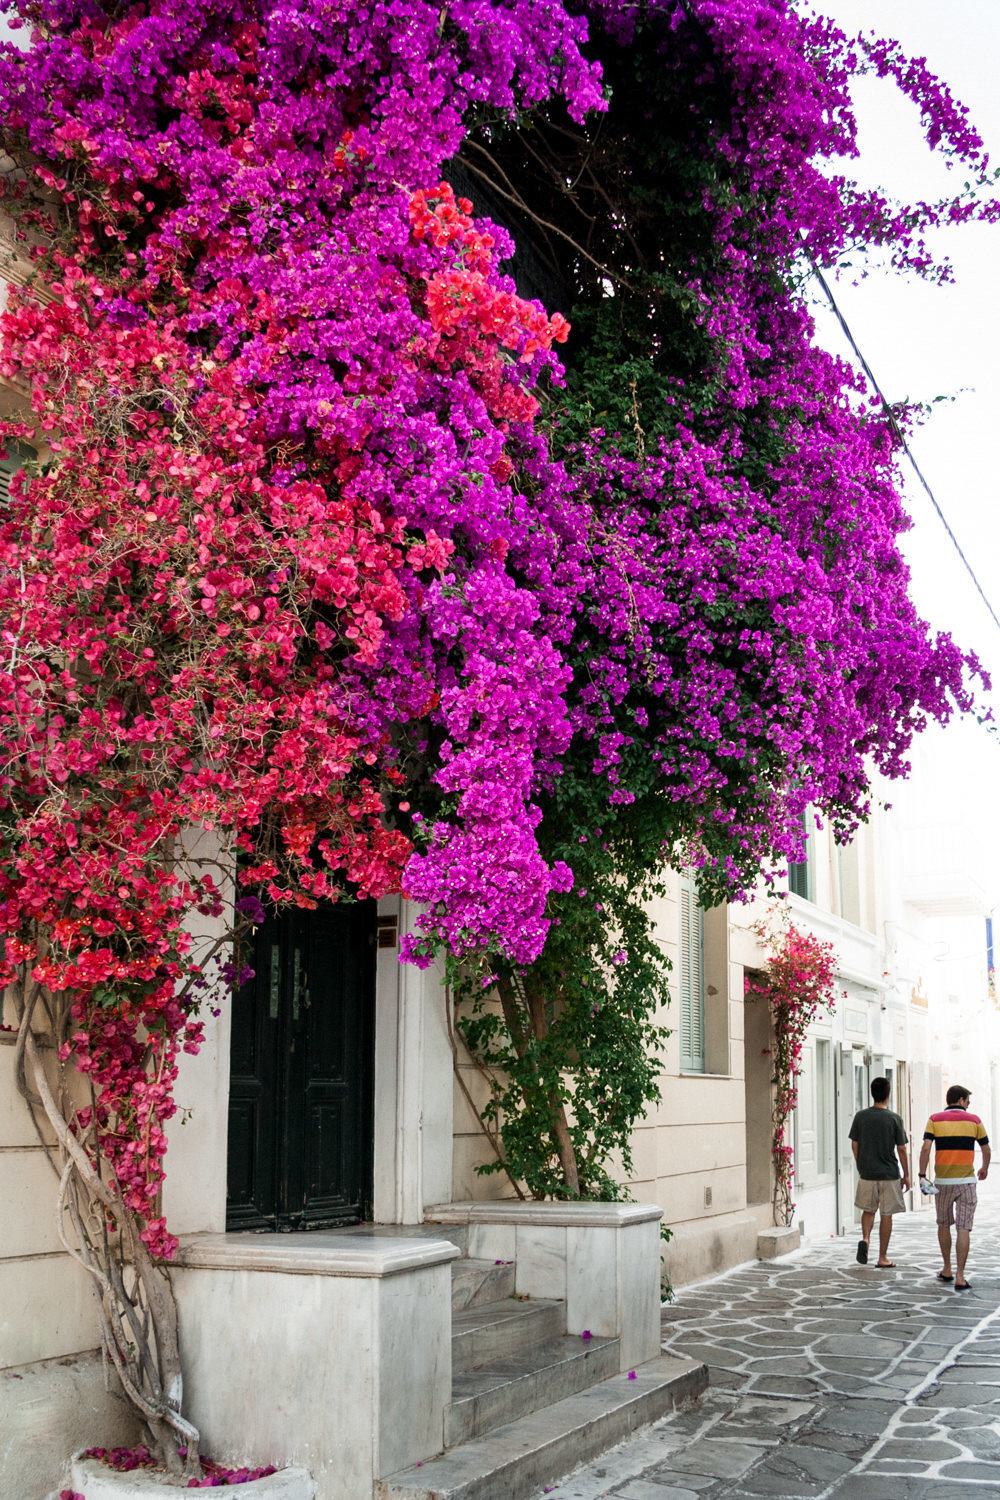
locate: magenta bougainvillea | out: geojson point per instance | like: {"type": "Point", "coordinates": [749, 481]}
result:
{"type": "Point", "coordinates": [213, 1475]}
{"type": "Point", "coordinates": [344, 553]}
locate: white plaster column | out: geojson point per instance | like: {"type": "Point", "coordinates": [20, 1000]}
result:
{"type": "Point", "coordinates": [194, 1192]}
{"type": "Point", "coordinates": [413, 1077]}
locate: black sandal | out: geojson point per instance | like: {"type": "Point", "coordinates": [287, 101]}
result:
{"type": "Point", "coordinates": [862, 1252]}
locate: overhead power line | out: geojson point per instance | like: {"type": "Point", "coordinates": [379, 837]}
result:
{"type": "Point", "coordinates": [891, 415]}
{"type": "Point", "coordinates": [709, 54]}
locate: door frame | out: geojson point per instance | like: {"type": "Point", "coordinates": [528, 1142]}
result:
{"type": "Point", "coordinates": [413, 1093]}
{"type": "Point", "coordinates": [289, 1082]}
{"type": "Point", "coordinates": [414, 1066]}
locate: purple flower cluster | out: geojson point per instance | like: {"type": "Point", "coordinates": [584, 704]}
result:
{"type": "Point", "coordinates": [746, 647]}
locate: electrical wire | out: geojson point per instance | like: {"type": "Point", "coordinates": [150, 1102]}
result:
{"type": "Point", "coordinates": [708, 51]}
{"type": "Point", "coordinates": [891, 415]}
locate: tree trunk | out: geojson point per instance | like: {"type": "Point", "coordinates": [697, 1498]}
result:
{"type": "Point", "coordinates": [560, 1125]}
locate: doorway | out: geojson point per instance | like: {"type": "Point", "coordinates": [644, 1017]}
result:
{"type": "Point", "coordinates": [301, 1066]}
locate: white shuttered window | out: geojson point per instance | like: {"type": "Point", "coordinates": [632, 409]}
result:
{"type": "Point", "coordinates": [692, 980]}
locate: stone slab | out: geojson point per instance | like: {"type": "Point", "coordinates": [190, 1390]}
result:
{"type": "Point", "coordinates": [317, 1253]}
{"type": "Point", "coordinates": [502, 1330]}
{"type": "Point", "coordinates": [479, 1283]}
{"type": "Point", "coordinates": [513, 1211]}
{"type": "Point", "coordinates": [503, 1391]}
{"type": "Point", "coordinates": [516, 1461]}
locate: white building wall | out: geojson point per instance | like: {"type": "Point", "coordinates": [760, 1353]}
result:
{"type": "Point", "coordinates": [905, 909]}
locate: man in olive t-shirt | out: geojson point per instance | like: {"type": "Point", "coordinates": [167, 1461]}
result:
{"type": "Point", "coordinates": [877, 1134]}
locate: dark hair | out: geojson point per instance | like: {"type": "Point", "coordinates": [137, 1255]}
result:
{"type": "Point", "coordinates": [880, 1089]}
{"type": "Point", "coordinates": [955, 1095]}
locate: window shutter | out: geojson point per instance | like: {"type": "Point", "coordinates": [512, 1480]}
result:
{"type": "Point", "coordinates": [800, 881]}
{"type": "Point", "coordinates": [692, 981]}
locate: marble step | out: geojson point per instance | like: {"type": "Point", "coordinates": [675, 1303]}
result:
{"type": "Point", "coordinates": [457, 1234]}
{"type": "Point", "coordinates": [510, 1388]}
{"type": "Point", "coordinates": [516, 1461]}
{"type": "Point", "coordinates": [474, 1283]}
{"type": "Point", "coordinates": [501, 1330]}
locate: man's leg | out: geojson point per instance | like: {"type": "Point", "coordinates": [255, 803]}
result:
{"type": "Point", "coordinates": [884, 1231]}
{"type": "Point", "coordinates": [961, 1255]}
{"type": "Point", "coordinates": [944, 1240]}
{"type": "Point", "coordinates": [867, 1223]}
{"type": "Point", "coordinates": [965, 1212]}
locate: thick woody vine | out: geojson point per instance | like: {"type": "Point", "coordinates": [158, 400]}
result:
{"type": "Point", "coordinates": [797, 986]}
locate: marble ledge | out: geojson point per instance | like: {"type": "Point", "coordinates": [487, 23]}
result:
{"type": "Point", "coordinates": [313, 1254]}
{"type": "Point", "coordinates": [572, 1215]}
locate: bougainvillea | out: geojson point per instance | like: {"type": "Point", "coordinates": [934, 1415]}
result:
{"type": "Point", "coordinates": [797, 986]}
{"type": "Point", "coordinates": [214, 1476]}
{"type": "Point", "coordinates": [176, 617]}
{"type": "Point", "coordinates": [326, 558]}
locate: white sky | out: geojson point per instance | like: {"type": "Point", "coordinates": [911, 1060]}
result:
{"type": "Point", "coordinates": [923, 341]}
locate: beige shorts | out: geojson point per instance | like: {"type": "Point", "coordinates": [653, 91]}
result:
{"type": "Point", "coordinates": [885, 1196]}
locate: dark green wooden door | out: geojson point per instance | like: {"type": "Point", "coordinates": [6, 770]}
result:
{"type": "Point", "coordinates": [300, 1092]}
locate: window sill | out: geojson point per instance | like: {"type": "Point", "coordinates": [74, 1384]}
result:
{"type": "Point", "coordinates": [691, 1073]}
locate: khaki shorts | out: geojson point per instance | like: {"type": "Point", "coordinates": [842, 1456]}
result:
{"type": "Point", "coordinates": [885, 1196]}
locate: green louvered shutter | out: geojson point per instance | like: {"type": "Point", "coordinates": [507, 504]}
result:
{"type": "Point", "coordinates": [692, 980]}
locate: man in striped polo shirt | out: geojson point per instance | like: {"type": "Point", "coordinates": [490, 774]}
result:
{"type": "Point", "coordinates": [953, 1134]}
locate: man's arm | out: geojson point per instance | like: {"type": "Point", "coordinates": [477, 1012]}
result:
{"type": "Point", "coordinates": [904, 1162]}
{"type": "Point", "coordinates": [854, 1148]}
{"type": "Point", "coordinates": [925, 1156]}
{"type": "Point", "coordinates": [984, 1169]}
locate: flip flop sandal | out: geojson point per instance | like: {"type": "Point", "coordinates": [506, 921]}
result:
{"type": "Point", "coordinates": [965, 1286]}
{"type": "Point", "coordinates": [862, 1252]}
{"type": "Point", "coordinates": [888, 1265]}
{"type": "Point", "coordinates": [942, 1277]}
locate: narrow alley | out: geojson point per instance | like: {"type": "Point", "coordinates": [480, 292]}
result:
{"type": "Point", "coordinates": [829, 1379]}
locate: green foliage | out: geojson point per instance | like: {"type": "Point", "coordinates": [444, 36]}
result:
{"type": "Point", "coordinates": [572, 1045]}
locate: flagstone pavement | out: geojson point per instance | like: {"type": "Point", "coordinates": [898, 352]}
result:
{"type": "Point", "coordinates": [829, 1379]}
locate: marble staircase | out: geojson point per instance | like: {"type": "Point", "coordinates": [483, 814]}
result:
{"type": "Point", "coordinates": [528, 1401]}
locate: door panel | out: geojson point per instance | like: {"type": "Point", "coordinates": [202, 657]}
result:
{"type": "Point", "coordinates": [253, 1087]}
{"type": "Point", "coordinates": [300, 1136]}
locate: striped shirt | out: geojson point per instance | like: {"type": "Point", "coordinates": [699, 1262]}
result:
{"type": "Point", "coordinates": [955, 1133]}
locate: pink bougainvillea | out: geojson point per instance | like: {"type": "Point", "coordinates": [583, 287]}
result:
{"type": "Point", "coordinates": [213, 1475]}
{"type": "Point", "coordinates": [797, 986]}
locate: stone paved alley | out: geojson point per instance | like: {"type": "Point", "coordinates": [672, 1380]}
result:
{"type": "Point", "coordinates": [830, 1379]}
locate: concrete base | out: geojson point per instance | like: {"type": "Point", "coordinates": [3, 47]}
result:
{"type": "Point", "coordinates": [774, 1242]}
{"type": "Point", "coordinates": [98, 1482]}
{"type": "Point", "coordinates": [49, 1409]}
{"type": "Point", "coordinates": [710, 1247]}
{"type": "Point", "coordinates": [325, 1351]}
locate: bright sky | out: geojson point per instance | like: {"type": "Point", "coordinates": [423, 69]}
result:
{"type": "Point", "coordinates": [924, 341]}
